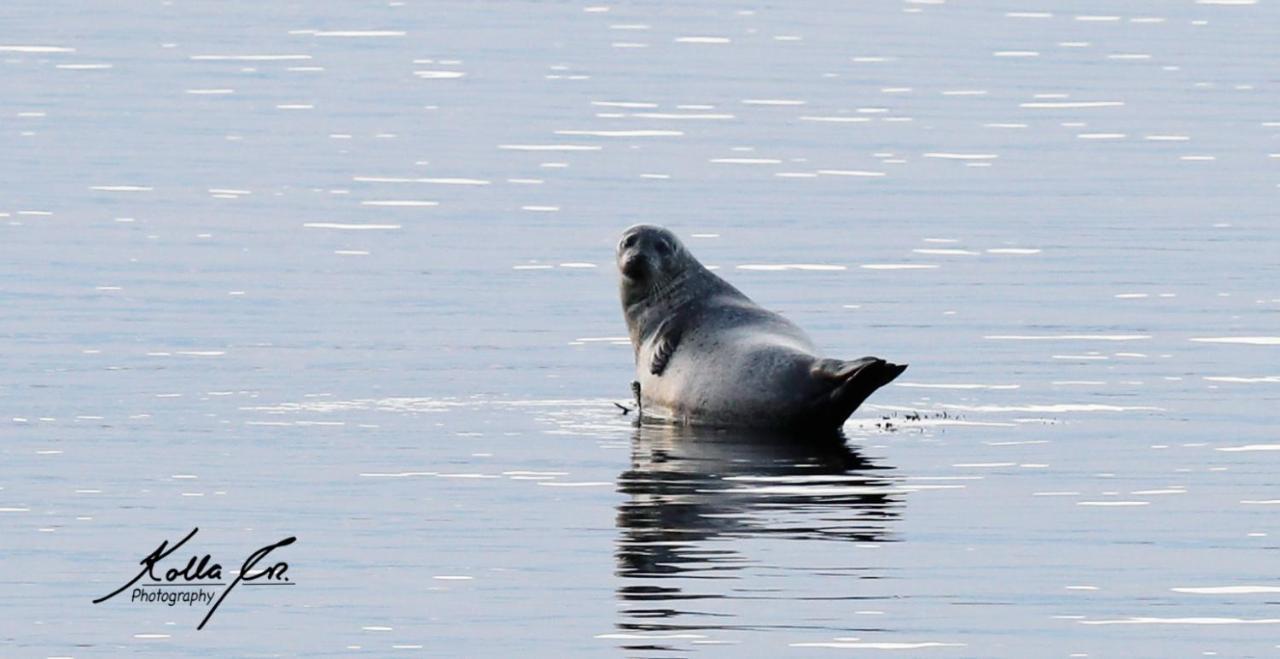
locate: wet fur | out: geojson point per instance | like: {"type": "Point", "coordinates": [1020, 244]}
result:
{"type": "Point", "coordinates": [707, 355]}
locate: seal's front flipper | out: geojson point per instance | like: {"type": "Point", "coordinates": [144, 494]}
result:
{"type": "Point", "coordinates": [667, 338]}
{"type": "Point", "coordinates": [853, 381]}
{"type": "Point", "coordinates": [635, 390]}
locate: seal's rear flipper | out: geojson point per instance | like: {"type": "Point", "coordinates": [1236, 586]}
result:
{"type": "Point", "coordinates": [854, 381]}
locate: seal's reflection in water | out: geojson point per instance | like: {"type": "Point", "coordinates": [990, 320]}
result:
{"type": "Point", "coordinates": [697, 497]}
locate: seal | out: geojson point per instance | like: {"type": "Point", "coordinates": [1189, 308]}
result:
{"type": "Point", "coordinates": [707, 355]}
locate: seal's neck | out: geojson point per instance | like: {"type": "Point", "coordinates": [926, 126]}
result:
{"type": "Point", "coordinates": [646, 305]}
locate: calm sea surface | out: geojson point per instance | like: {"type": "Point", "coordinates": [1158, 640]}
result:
{"type": "Point", "coordinates": [343, 271]}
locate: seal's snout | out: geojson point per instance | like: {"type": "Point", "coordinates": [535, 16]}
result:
{"type": "Point", "coordinates": [633, 264]}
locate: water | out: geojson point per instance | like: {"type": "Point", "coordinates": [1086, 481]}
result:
{"type": "Point", "coordinates": [343, 272]}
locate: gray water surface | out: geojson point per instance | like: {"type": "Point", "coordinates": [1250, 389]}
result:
{"type": "Point", "coordinates": [343, 272]}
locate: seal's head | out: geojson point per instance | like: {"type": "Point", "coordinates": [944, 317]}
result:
{"type": "Point", "coordinates": [650, 255]}
{"type": "Point", "coordinates": [656, 271]}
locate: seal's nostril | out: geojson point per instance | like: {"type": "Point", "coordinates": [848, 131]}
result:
{"type": "Point", "coordinates": [634, 265]}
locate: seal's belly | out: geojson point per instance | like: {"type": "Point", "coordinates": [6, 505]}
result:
{"type": "Point", "coordinates": [745, 377]}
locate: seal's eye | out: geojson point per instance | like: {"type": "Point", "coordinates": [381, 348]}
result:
{"type": "Point", "coordinates": [629, 242]}
{"type": "Point", "coordinates": [663, 247]}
